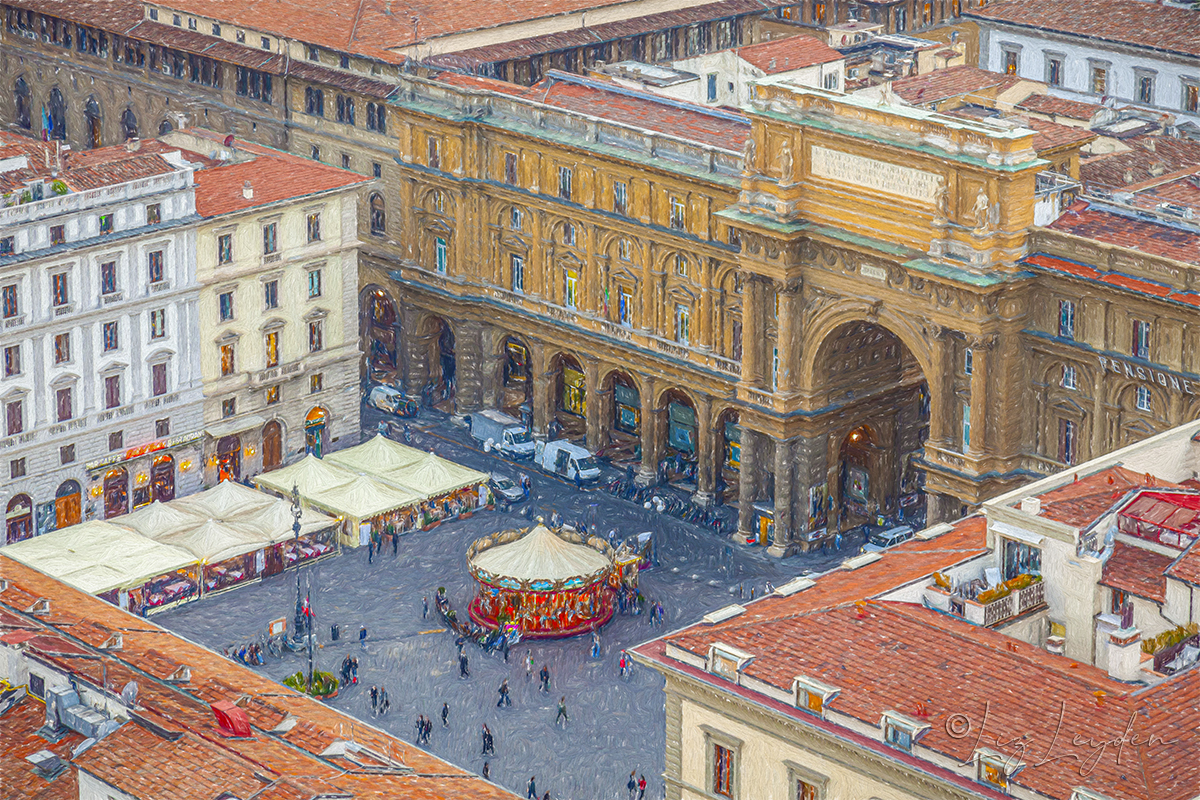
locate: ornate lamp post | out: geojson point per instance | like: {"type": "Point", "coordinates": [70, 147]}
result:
{"type": "Point", "coordinates": [301, 620]}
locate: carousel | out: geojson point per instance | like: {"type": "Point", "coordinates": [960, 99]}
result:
{"type": "Point", "coordinates": [547, 584]}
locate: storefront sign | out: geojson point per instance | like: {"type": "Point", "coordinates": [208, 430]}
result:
{"type": "Point", "coordinates": [881, 176]}
{"type": "Point", "coordinates": [141, 450]}
{"type": "Point", "coordinates": [1147, 375]}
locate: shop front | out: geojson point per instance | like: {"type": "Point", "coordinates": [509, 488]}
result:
{"type": "Point", "coordinates": [18, 518]}
{"type": "Point", "coordinates": [627, 409]}
{"type": "Point", "coordinates": [574, 392]}
{"type": "Point", "coordinates": [116, 492]}
{"type": "Point", "coordinates": [68, 504]}
{"type": "Point", "coordinates": [314, 431]}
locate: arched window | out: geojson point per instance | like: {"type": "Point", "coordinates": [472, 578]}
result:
{"type": "Point", "coordinates": [21, 95]}
{"type": "Point", "coordinates": [91, 118]}
{"type": "Point", "coordinates": [56, 116]}
{"type": "Point", "coordinates": [378, 215]}
{"type": "Point", "coordinates": [164, 127]}
{"type": "Point", "coordinates": [129, 124]}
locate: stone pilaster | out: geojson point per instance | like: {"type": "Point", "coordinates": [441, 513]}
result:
{"type": "Point", "coordinates": [707, 458]}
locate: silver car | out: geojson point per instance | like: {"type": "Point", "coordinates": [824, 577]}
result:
{"type": "Point", "coordinates": [505, 487]}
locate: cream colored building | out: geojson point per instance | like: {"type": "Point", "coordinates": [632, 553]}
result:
{"type": "Point", "coordinates": [277, 262]}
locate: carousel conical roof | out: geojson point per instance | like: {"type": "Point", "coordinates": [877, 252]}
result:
{"type": "Point", "coordinates": [541, 555]}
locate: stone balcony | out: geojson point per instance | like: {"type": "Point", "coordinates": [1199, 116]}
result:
{"type": "Point", "coordinates": [994, 610]}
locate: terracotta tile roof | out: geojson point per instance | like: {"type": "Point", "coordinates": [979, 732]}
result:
{"type": "Point", "coordinates": [1180, 188]}
{"type": "Point", "coordinates": [18, 739]}
{"type": "Point", "coordinates": [1137, 571]}
{"type": "Point", "coordinates": [284, 769]}
{"type": "Point", "coordinates": [1041, 261]}
{"type": "Point", "coordinates": [88, 169]}
{"type": "Point", "coordinates": [785, 55]}
{"type": "Point", "coordinates": [1059, 107]}
{"type": "Point", "coordinates": [359, 84]}
{"type": "Point", "coordinates": [1082, 502]}
{"type": "Point", "coordinates": [1051, 136]}
{"type": "Point", "coordinates": [699, 124]}
{"type": "Point", "coordinates": [117, 16]}
{"type": "Point", "coordinates": [1146, 236]}
{"type": "Point", "coordinates": [1125, 21]}
{"type": "Point", "coordinates": [1187, 566]}
{"type": "Point", "coordinates": [273, 175]}
{"type": "Point", "coordinates": [196, 42]}
{"type": "Point", "coordinates": [1150, 157]}
{"type": "Point", "coordinates": [942, 84]}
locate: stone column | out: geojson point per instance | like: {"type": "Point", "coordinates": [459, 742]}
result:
{"type": "Point", "coordinates": [469, 367]}
{"type": "Point", "coordinates": [752, 331]}
{"type": "Point", "coordinates": [543, 396]}
{"type": "Point", "coordinates": [597, 435]}
{"type": "Point", "coordinates": [747, 483]}
{"type": "Point", "coordinates": [651, 445]}
{"type": "Point", "coordinates": [787, 339]}
{"type": "Point", "coordinates": [941, 508]}
{"type": "Point", "coordinates": [707, 459]}
{"type": "Point", "coordinates": [416, 354]}
{"type": "Point", "coordinates": [940, 424]}
{"type": "Point", "coordinates": [784, 489]}
{"type": "Point", "coordinates": [809, 456]}
{"type": "Point", "coordinates": [981, 347]}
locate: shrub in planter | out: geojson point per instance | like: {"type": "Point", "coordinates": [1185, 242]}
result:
{"type": "Point", "coordinates": [941, 580]}
{"type": "Point", "coordinates": [993, 594]}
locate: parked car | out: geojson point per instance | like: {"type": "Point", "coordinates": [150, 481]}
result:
{"type": "Point", "coordinates": [389, 399]}
{"type": "Point", "coordinates": [878, 541]}
{"type": "Point", "coordinates": [505, 487]}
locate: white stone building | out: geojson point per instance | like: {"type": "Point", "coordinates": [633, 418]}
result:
{"type": "Point", "coordinates": [99, 370]}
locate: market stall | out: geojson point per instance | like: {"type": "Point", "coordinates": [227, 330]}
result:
{"type": "Point", "coordinates": [551, 584]}
{"type": "Point", "coordinates": [376, 456]}
{"type": "Point", "coordinates": [446, 489]}
{"type": "Point", "coordinates": [115, 563]}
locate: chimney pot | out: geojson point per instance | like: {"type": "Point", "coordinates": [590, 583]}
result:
{"type": "Point", "coordinates": [247, 191]}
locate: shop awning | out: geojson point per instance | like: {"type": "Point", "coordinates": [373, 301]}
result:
{"type": "Point", "coordinates": [219, 430]}
{"type": "Point", "coordinates": [159, 519]}
{"type": "Point", "coordinates": [212, 541]}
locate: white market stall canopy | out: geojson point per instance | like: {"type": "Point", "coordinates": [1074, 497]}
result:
{"type": "Point", "coordinates": [541, 555]}
{"type": "Point", "coordinates": [376, 456]}
{"type": "Point", "coordinates": [97, 557]}
{"type": "Point", "coordinates": [337, 489]}
{"type": "Point", "coordinates": [433, 476]}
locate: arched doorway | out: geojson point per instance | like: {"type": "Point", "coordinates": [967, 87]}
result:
{"type": "Point", "coordinates": [570, 393]}
{"type": "Point", "coordinates": [229, 458]}
{"type": "Point", "coordinates": [379, 330]}
{"type": "Point", "coordinates": [877, 423]}
{"type": "Point", "coordinates": [67, 504]}
{"type": "Point", "coordinates": [378, 214]}
{"type": "Point", "coordinates": [56, 115]}
{"type": "Point", "coordinates": [21, 97]}
{"type": "Point", "coordinates": [129, 125]}
{"type": "Point", "coordinates": [116, 492]}
{"type": "Point", "coordinates": [272, 445]}
{"type": "Point", "coordinates": [91, 119]}
{"type": "Point", "coordinates": [162, 478]}
{"type": "Point", "coordinates": [442, 364]}
{"type": "Point", "coordinates": [622, 417]}
{"type": "Point", "coordinates": [518, 378]}
{"type": "Point", "coordinates": [18, 518]}
{"type": "Point", "coordinates": [680, 437]}
{"type": "Point", "coordinates": [164, 127]}
{"type": "Point", "coordinates": [314, 431]}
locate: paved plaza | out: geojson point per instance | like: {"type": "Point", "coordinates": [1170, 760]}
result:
{"type": "Point", "coordinates": [616, 724]}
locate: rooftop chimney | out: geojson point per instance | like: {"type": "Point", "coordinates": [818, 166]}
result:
{"type": "Point", "coordinates": [1125, 654]}
{"type": "Point", "coordinates": [1032, 505]}
{"type": "Point", "coordinates": [247, 191]}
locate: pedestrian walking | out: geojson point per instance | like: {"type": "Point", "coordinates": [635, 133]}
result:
{"type": "Point", "coordinates": [505, 700]}
{"type": "Point", "coordinates": [362, 637]}
{"type": "Point", "coordinates": [425, 613]}
{"type": "Point", "coordinates": [396, 543]}
{"type": "Point", "coordinates": [529, 665]}
{"type": "Point", "coordinates": [532, 793]}
{"type": "Point", "coordinates": [374, 699]}
{"type": "Point", "coordinates": [562, 712]}
{"type": "Point", "coordinates": [488, 744]}
{"type": "Point", "coordinates": [371, 550]}
{"type": "Point", "coordinates": [487, 771]}
{"type": "Point", "coordinates": [642, 788]}
{"type": "Point", "coordinates": [545, 676]}
{"type": "Point", "coordinates": [624, 664]}
{"type": "Point", "coordinates": [463, 672]}
{"type": "Point", "coordinates": [384, 702]}
{"type": "Point", "coordinates": [837, 542]}
{"type": "Point", "coordinates": [632, 785]}
{"type": "Point", "coordinates": [445, 715]}
{"type": "Point", "coordinates": [546, 796]}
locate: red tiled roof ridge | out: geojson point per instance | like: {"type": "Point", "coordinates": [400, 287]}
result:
{"type": "Point", "coordinates": [788, 53]}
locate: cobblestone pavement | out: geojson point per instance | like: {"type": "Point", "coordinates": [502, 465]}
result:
{"type": "Point", "coordinates": [616, 724]}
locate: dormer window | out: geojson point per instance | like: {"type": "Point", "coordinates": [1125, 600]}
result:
{"type": "Point", "coordinates": [996, 769]}
{"type": "Point", "coordinates": [901, 731]}
{"type": "Point", "coordinates": [813, 695]}
{"type": "Point", "coordinates": [727, 662]}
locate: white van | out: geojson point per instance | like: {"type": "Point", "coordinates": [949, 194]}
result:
{"type": "Point", "coordinates": [506, 433]}
{"type": "Point", "coordinates": [567, 460]}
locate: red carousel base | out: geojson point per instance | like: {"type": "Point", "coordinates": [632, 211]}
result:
{"type": "Point", "coordinates": [578, 629]}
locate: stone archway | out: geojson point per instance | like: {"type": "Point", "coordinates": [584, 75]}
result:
{"type": "Point", "coordinates": [516, 379]}
{"type": "Point", "coordinates": [570, 397]}
{"type": "Point", "coordinates": [621, 417]}
{"type": "Point", "coordinates": [379, 328]}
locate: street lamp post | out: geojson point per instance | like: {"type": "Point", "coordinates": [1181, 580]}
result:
{"type": "Point", "coordinates": [299, 623]}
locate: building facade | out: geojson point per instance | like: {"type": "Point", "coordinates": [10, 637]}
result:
{"type": "Point", "coordinates": [101, 384]}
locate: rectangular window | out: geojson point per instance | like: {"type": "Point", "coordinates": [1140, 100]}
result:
{"type": "Point", "coordinates": [377, 117]}
{"type": "Point", "coordinates": [314, 283]}
{"type": "Point", "coordinates": [106, 224]}
{"type": "Point", "coordinates": [314, 101]}
{"type": "Point", "coordinates": [112, 391]}
{"type": "Point", "coordinates": [14, 418]}
{"type": "Point", "coordinates": [154, 263]}
{"type": "Point", "coordinates": [345, 109]}
{"type": "Point", "coordinates": [774, 368]}
{"type": "Point", "coordinates": [377, 170]}
{"type": "Point", "coordinates": [677, 213]}
{"type": "Point", "coordinates": [225, 301]}
{"type": "Point", "coordinates": [1066, 319]}
{"type": "Point", "coordinates": [624, 250]}
{"type": "Point", "coordinates": [1054, 70]}
{"type": "Point", "coordinates": [571, 289]}
{"type": "Point", "coordinates": [516, 219]}
{"type": "Point", "coordinates": [517, 264]}
{"type": "Point", "coordinates": [8, 301]}
{"type": "Point", "coordinates": [153, 214]}
{"type": "Point", "coordinates": [66, 454]}
{"type": "Point", "coordinates": [1099, 78]}
{"type": "Point", "coordinates": [272, 349]}
{"type": "Point", "coordinates": [1066, 441]}
{"type": "Point", "coordinates": [271, 294]}
{"type": "Point", "coordinates": [898, 736]}
{"type": "Point", "coordinates": [158, 323]}
{"type": "Point", "coordinates": [272, 395]}
{"type": "Point", "coordinates": [314, 54]}
{"type": "Point", "coordinates": [1070, 378]}
{"type": "Point", "coordinates": [8, 245]}
{"type": "Point", "coordinates": [229, 407]}
{"type": "Point", "coordinates": [683, 324]}
{"type": "Point", "coordinates": [345, 161]}
{"type": "Point", "coordinates": [110, 336]}
{"type": "Point", "coordinates": [316, 383]}
{"type": "Point", "coordinates": [58, 289]}
{"type": "Point", "coordinates": [1141, 339]}
{"type": "Point", "coordinates": [806, 790]}
{"type": "Point", "coordinates": [158, 379]}
{"type": "Point", "coordinates": [58, 235]}
{"type": "Point", "coordinates": [681, 269]}
{"type": "Point", "coordinates": [564, 182]}
{"type": "Point", "coordinates": [1145, 87]}
{"type": "Point", "coordinates": [227, 360]}
{"type": "Point", "coordinates": [966, 426]}
{"type": "Point", "coordinates": [16, 469]}
{"type": "Point", "coordinates": [314, 226]}
{"type": "Point", "coordinates": [315, 153]}
{"type": "Point", "coordinates": [1143, 398]}
{"type": "Point", "coordinates": [1191, 104]}
{"type": "Point", "coordinates": [1011, 59]}
{"type": "Point", "coordinates": [63, 404]}
{"type": "Point", "coordinates": [625, 307]}
{"type": "Point", "coordinates": [711, 94]}
{"type": "Point", "coordinates": [270, 243]}
{"type": "Point", "coordinates": [108, 277]}
{"type": "Point", "coordinates": [968, 361]}
{"type": "Point", "coordinates": [722, 771]}
{"type": "Point", "coordinates": [620, 197]}
{"type": "Point", "coordinates": [568, 234]}
{"type": "Point", "coordinates": [433, 153]}
{"type": "Point", "coordinates": [510, 169]}
{"type": "Point", "coordinates": [440, 254]}
{"type": "Point", "coordinates": [225, 248]}
{"type": "Point", "coordinates": [12, 360]}
{"type": "Point", "coordinates": [62, 348]}
{"type": "Point", "coordinates": [316, 336]}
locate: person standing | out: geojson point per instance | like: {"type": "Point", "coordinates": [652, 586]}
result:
{"type": "Point", "coordinates": [425, 613]}
{"type": "Point", "coordinates": [488, 745]}
{"type": "Point", "coordinates": [529, 665]}
{"type": "Point", "coordinates": [532, 793]}
{"type": "Point", "coordinates": [371, 549]}
{"type": "Point", "coordinates": [362, 637]}
{"type": "Point", "coordinates": [420, 728]}
{"type": "Point", "coordinates": [505, 700]}
{"type": "Point", "coordinates": [632, 784]}
{"type": "Point", "coordinates": [545, 676]}
{"type": "Point", "coordinates": [562, 712]}
{"type": "Point", "coordinates": [374, 700]}
{"type": "Point", "coordinates": [395, 542]}
{"type": "Point", "coordinates": [642, 788]}
{"type": "Point", "coordinates": [384, 702]}
{"type": "Point", "coordinates": [463, 672]}
{"type": "Point", "coordinates": [445, 715]}
{"type": "Point", "coordinates": [487, 771]}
